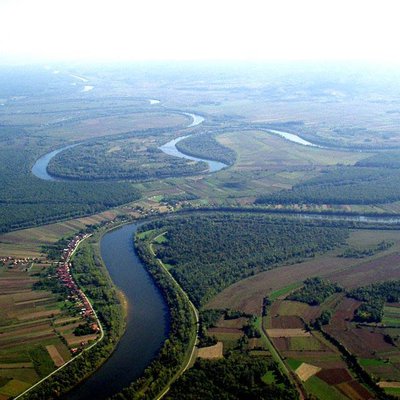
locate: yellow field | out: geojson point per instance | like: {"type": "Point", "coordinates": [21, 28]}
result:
{"type": "Point", "coordinates": [55, 355]}
{"type": "Point", "coordinates": [287, 333]}
{"type": "Point", "coordinates": [306, 371]}
{"type": "Point", "coordinates": [211, 352]}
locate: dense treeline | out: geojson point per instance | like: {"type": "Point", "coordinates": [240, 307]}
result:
{"type": "Point", "coordinates": [342, 185]}
{"type": "Point", "coordinates": [89, 274]}
{"type": "Point", "coordinates": [314, 291]}
{"type": "Point", "coordinates": [374, 298]}
{"type": "Point", "coordinates": [351, 252]}
{"type": "Point", "coordinates": [209, 252]}
{"type": "Point", "coordinates": [106, 160]}
{"type": "Point", "coordinates": [387, 291]}
{"type": "Point", "coordinates": [182, 329]}
{"type": "Point", "coordinates": [27, 201]}
{"type": "Point", "coordinates": [235, 377]}
{"type": "Point", "coordinates": [386, 160]}
{"type": "Point", "coordinates": [174, 199]}
{"type": "Point", "coordinates": [206, 146]}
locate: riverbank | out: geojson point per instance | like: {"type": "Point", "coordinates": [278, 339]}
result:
{"type": "Point", "coordinates": [100, 292]}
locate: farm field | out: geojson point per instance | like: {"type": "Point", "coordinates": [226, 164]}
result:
{"type": "Point", "coordinates": [317, 363]}
{"type": "Point", "coordinates": [247, 295]}
{"type": "Point", "coordinates": [36, 326]}
{"type": "Point", "coordinates": [374, 345]}
{"type": "Point", "coordinates": [30, 242]}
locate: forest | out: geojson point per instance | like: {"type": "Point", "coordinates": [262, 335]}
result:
{"type": "Point", "coordinates": [207, 253]}
{"type": "Point", "coordinates": [36, 202]}
{"type": "Point", "coordinates": [136, 159]}
{"type": "Point", "coordinates": [238, 376]}
{"type": "Point", "coordinates": [342, 185]}
{"type": "Point", "coordinates": [206, 146]}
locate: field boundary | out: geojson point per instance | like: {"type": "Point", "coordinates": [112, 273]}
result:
{"type": "Point", "coordinates": [84, 350]}
{"type": "Point", "coordinates": [281, 363]}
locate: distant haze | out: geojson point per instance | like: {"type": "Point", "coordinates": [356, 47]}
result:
{"type": "Point", "coordinates": [122, 30]}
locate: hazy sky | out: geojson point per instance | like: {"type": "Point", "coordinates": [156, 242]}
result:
{"type": "Point", "coordinates": [113, 30]}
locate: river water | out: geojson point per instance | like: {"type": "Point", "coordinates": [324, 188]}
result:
{"type": "Point", "coordinates": [170, 149]}
{"type": "Point", "coordinates": [293, 138]}
{"type": "Point", "coordinates": [39, 169]}
{"type": "Point", "coordinates": [147, 322]}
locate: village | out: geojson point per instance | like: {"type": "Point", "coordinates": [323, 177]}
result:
{"type": "Point", "coordinates": [76, 295]}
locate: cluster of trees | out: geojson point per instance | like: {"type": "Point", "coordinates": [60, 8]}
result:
{"type": "Point", "coordinates": [387, 291]}
{"type": "Point", "coordinates": [323, 319]}
{"type": "Point", "coordinates": [208, 252]}
{"type": "Point", "coordinates": [370, 312]}
{"type": "Point", "coordinates": [208, 319]}
{"type": "Point", "coordinates": [251, 329]}
{"type": "Point", "coordinates": [206, 146]}
{"type": "Point", "coordinates": [238, 376]}
{"type": "Point", "coordinates": [314, 291]}
{"type": "Point", "coordinates": [90, 274]}
{"type": "Point", "coordinates": [48, 281]}
{"type": "Point", "coordinates": [374, 297]}
{"type": "Point", "coordinates": [342, 185]}
{"type": "Point", "coordinates": [361, 253]}
{"type": "Point", "coordinates": [173, 200]}
{"type": "Point", "coordinates": [83, 329]}
{"type": "Point", "coordinates": [113, 160]}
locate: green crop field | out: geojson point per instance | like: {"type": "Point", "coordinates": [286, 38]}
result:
{"type": "Point", "coordinates": [322, 390]}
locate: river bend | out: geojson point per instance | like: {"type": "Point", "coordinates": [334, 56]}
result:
{"type": "Point", "coordinates": [147, 319]}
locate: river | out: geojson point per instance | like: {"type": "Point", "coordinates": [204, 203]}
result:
{"type": "Point", "coordinates": [293, 138]}
{"type": "Point", "coordinates": [170, 147]}
{"type": "Point", "coordinates": [147, 320]}
{"type": "Point", "coordinates": [39, 169]}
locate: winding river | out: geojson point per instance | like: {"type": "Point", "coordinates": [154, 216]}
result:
{"type": "Point", "coordinates": [147, 320]}
{"type": "Point", "coordinates": [148, 315]}
{"type": "Point", "coordinates": [39, 169]}
{"type": "Point", "coordinates": [170, 149]}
